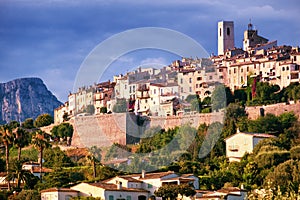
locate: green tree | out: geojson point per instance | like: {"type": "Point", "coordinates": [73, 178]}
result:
{"type": "Point", "coordinates": [186, 190]}
{"type": "Point", "coordinates": [26, 195]}
{"type": "Point", "coordinates": [218, 98]}
{"type": "Point", "coordinates": [66, 117]}
{"type": "Point", "coordinates": [56, 158]}
{"type": "Point", "coordinates": [64, 131]}
{"type": "Point", "coordinates": [120, 106]}
{"type": "Point", "coordinates": [18, 174]}
{"type": "Point", "coordinates": [103, 110]}
{"type": "Point", "coordinates": [90, 109]}
{"type": "Point", "coordinates": [285, 175]}
{"type": "Point", "coordinates": [191, 97]}
{"type": "Point", "coordinates": [94, 157]}
{"type": "Point", "coordinates": [167, 191]}
{"type": "Point", "coordinates": [195, 105]}
{"type": "Point", "coordinates": [21, 139]}
{"type": "Point", "coordinates": [41, 141]}
{"type": "Point", "coordinates": [6, 137]}
{"type": "Point", "coordinates": [43, 120]}
{"type": "Point", "coordinates": [28, 123]}
{"type": "Point", "coordinates": [57, 178]}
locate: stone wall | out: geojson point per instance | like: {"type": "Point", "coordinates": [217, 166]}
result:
{"type": "Point", "coordinates": [99, 130]}
{"type": "Point", "coordinates": [276, 109]}
{"type": "Point", "coordinates": [124, 128]}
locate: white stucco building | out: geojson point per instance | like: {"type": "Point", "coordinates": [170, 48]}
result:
{"type": "Point", "coordinates": [242, 142]}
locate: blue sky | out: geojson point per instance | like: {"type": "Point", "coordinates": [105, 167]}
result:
{"type": "Point", "coordinates": [50, 39]}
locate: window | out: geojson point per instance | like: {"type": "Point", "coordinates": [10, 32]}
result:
{"type": "Point", "coordinates": [154, 91]}
{"type": "Point", "coordinates": [181, 80]}
{"type": "Point", "coordinates": [229, 71]}
{"type": "Point", "coordinates": [247, 69]}
{"type": "Point", "coordinates": [220, 70]}
{"type": "Point", "coordinates": [111, 197]}
{"type": "Point", "coordinates": [297, 67]}
{"type": "Point", "coordinates": [190, 80]}
{"type": "Point", "coordinates": [128, 198]}
{"type": "Point", "coordinates": [197, 85]}
{"type": "Point", "coordinates": [283, 69]}
{"type": "Point", "coordinates": [146, 101]}
{"type": "Point", "coordinates": [220, 32]}
{"type": "Point", "coordinates": [287, 68]}
{"type": "Point", "coordinates": [295, 58]}
{"type": "Point", "coordinates": [221, 77]}
{"type": "Point", "coordinates": [288, 77]}
{"type": "Point", "coordinates": [210, 77]}
{"type": "Point", "coordinates": [242, 70]}
{"type": "Point", "coordinates": [228, 31]}
{"type": "Point", "coordinates": [190, 89]}
{"type": "Point", "coordinates": [129, 89]}
{"type": "Point", "coordinates": [181, 89]}
{"type": "Point", "coordinates": [234, 70]}
{"type": "Point", "coordinates": [199, 78]}
{"type": "Point", "coordinates": [133, 88]}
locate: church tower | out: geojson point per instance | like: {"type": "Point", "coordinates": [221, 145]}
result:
{"type": "Point", "coordinates": [225, 36]}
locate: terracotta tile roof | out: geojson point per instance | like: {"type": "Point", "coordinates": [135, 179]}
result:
{"type": "Point", "coordinates": [157, 175]}
{"type": "Point", "coordinates": [37, 170]}
{"type": "Point", "coordinates": [2, 174]}
{"type": "Point", "coordinates": [55, 189]}
{"type": "Point", "coordinates": [130, 179]}
{"type": "Point", "coordinates": [182, 179]}
{"type": "Point", "coordinates": [259, 135]}
{"type": "Point", "coordinates": [113, 187]}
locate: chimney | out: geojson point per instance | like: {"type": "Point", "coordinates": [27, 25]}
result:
{"type": "Point", "coordinates": [119, 185]}
{"type": "Point", "coordinates": [143, 173]}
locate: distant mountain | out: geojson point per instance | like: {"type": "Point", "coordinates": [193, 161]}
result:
{"type": "Point", "coordinates": [25, 98]}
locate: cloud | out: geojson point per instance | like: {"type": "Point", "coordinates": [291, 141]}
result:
{"type": "Point", "coordinates": [38, 36]}
{"type": "Point", "coordinates": [154, 62]}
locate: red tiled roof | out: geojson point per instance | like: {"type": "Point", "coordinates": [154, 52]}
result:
{"type": "Point", "coordinates": [113, 187]}
{"type": "Point", "coordinates": [55, 189]}
{"type": "Point", "coordinates": [37, 170]}
{"type": "Point", "coordinates": [2, 174]}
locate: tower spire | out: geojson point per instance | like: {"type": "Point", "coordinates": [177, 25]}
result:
{"type": "Point", "coordinates": [250, 26]}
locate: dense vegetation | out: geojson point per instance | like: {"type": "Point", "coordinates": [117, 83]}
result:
{"type": "Point", "coordinates": [263, 94]}
{"type": "Point", "coordinates": [274, 164]}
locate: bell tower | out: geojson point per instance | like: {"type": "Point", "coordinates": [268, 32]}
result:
{"type": "Point", "coordinates": [225, 36]}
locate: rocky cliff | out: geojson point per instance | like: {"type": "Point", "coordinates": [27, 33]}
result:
{"type": "Point", "coordinates": [25, 98]}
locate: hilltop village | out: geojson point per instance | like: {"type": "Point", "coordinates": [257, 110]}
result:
{"type": "Point", "coordinates": [223, 127]}
{"type": "Point", "coordinates": [164, 92]}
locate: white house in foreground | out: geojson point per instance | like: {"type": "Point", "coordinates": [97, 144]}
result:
{"type": "Point", "coordinates": [241, 142]}
{"type": "Point", "coordinates": [127, 187]}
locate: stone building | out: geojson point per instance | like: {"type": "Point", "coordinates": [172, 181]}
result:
{"type": "Point", "coordinates": [225, 36]}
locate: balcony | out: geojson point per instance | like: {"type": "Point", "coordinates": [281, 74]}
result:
{"type": "Point", "coordinates": [142, 95]}
{"type": "Point", "coordinates": [143, 88]}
